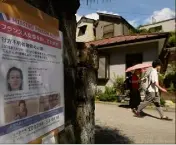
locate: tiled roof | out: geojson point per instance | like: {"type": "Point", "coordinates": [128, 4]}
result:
{"type": "Point", "coordinates": [126, 39]}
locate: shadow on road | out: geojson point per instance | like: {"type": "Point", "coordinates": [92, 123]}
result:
{"type": "Point", "coordinates": [149, 115]}
{"type": "Point", "coordinates": [124, 106]}
{"type": "Point", "coordinates": [143, 113]}
{"type": "Point", "coordinates": [106, 135]}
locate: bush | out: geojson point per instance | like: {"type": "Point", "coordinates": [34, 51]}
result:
{"type": "Point", "coordinates": [172, 88]}
{"type": "Point", "coordinates": [109, 95]}
{"type": "Point", "coordinates": [108, 98]}
{"type": "Point", "coordinates": [98, 92]}
{"type": "Point", "coordinates": [172, 40]}
{"type": "Point", "coordinates": [170, 79]}
{"type": "Point", "coordinates": [162, 101]}
{"type": "Point", "coordinates": [161, 79]}
{"type": "Point", "coordinates": [119, 84]}
{"type": "Point", "coordinates": [110, 90]}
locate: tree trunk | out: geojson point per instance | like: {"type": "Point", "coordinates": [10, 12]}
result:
{"type": "Point", "coordinates": [86, 87]}
{"type": "Point", "coordinates": [78, 80]}
{"type": "Point", "coordinates": [85, 123]}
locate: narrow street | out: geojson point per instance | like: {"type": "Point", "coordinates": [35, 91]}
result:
{"type": "Point", "coordinates": [118, 125]}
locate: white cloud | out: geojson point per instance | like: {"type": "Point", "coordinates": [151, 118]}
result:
{"type": "Point", "coordinates": [133, 23]}
{"type": "Point", "coordinates": [94, 16]}
{"type": "Point", "coordinates": [78, 17]}
{"type": "Point", "coordinates": [163, 14]}
{"type": "Point", "coordinates": [106, 12]}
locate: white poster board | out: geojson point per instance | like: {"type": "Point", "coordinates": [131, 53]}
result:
{"type": "Point", "coordinates": [31, 81]}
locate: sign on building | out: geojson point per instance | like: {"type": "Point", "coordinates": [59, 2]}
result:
{"type": "Point", "coordinates": [31, 74]}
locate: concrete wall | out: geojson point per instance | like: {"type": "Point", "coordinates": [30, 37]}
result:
{"type": "Point", "coordinates": [125, 29]}
{"type": "Point", "coordinates": [118, 59]}
{"type": "Point", "coordinates": [101, 24]}
{"type": "Point", "coordinates": [119, 29]}
{"type": "Point", "coordinates": [89, 34]}
{"type": "Point", "coordinates": [167, 26]}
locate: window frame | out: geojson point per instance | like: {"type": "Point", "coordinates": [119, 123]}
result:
{"type": "Point", "coordinates": [107, 67]}
{"type": "Point", "coordinates": [108, 31]}
{"type": "Point", "coordinates": [80, 33]}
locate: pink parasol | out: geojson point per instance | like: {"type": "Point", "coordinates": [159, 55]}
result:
{"type": "Point", "coordinates": [142, 66]}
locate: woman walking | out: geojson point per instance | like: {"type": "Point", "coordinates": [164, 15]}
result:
{"type": "Point", "coordinates": [135, 98]}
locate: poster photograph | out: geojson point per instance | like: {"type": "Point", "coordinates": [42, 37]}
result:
{"type": "Point", "coordinates": [31, 80]}
{"type": "Point", "coordinates": [20, 109]}
{"type": "Point", "coordinates": [49, 102]}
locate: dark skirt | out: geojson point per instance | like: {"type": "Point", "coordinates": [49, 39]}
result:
{"type": "Point", "coordinates": [135, 98]}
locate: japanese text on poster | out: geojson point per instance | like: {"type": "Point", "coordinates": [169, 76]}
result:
{"type": "Point", "coordinates": [31, 81]}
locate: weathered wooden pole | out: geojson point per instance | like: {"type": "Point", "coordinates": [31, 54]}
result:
{"type": "Point", "coordinates": [79, 73]}
{"type": "Point", "coordinates": [86, 87]}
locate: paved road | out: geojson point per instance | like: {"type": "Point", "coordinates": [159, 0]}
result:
{"type": "Point", "coordinates": [118, 125]}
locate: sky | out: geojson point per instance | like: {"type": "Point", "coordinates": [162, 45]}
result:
{"type": "Point", "coordinates": [136, 12]}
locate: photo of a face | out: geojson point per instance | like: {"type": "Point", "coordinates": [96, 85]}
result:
{"type": "Point", "coordinates": [21, 109]}
{"type": "Point", "coordinates": [54, 100]}
{"type": "Point", "coordinates": [44, 103]}
{"type": "Point", "coordinates": [49, 102]}
{"type": "Point", "coordinates": [22, 106]}
{"type": "Point", "coordinates": [14, 79]}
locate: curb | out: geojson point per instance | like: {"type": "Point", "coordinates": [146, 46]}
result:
{"type": "Point", "coordinates": [166, 109]}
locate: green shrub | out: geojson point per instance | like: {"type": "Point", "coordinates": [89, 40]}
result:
{"type": "Point", "coordinates": [110, 90]}
{"type": "Point", "coordinates": [170, 81]}
{"type": "Point", "coordinates": [98, 92]}
{"type": "Point", "coordinates": [172, 40]}
{"type": "Point", "coordinates": [161, 79]}
{"type": "Point", "coordinates": [162, 101]}
{"type": "Point", "coordinates": [170, 77]}
{"type": "Point", "coordinates": [119, 84]}
{"type": "Point", "coordinates": [108, 95]}
{"type": "Point", "coordinates": [172, 88]}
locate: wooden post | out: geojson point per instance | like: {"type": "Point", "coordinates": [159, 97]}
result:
{"type": "Point", "coordinates": [86, 87]}
{"type": "Point", "coordinates": [80, 75]}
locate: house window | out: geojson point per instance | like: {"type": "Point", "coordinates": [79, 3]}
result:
{"type": "Point", "coordinates": [155, 29]}
{"type": "Point", "coordinates": [108, 35]}
{"type": "Point", "coordinates": [82, 30]}
{"type": "Point", "coordinates": [108, 31]}
{"type": "Point", "coordinates": [103, 71]}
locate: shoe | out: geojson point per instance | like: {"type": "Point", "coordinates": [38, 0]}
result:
{"type": "Point", "coordinates": [138, 114]}
{"type": "Point", "coordinates": [166, 118]}
{"type": "Point", "coordinates": [134, 110]}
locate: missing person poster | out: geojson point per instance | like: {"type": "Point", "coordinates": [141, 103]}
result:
{"type": "Point", "coordinates": [31, 78]}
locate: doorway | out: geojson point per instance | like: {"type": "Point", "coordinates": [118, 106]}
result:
{"type": "Point", "coordinates": [133, 59]}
